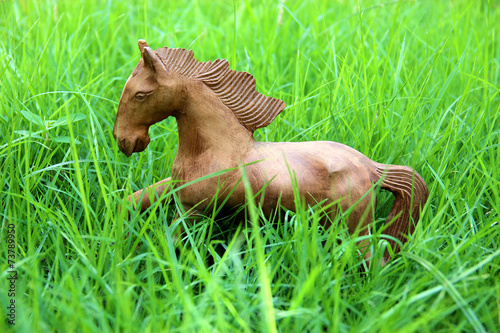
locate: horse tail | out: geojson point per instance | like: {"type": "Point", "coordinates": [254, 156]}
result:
{"type": "Point", "coordinates": [410, 195]}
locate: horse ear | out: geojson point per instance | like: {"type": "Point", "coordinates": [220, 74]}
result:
{"type": "Point", "coordinates": [148, 56]}
{"type": "Point", "coordinates": [151, 60]}
{"type": "Point", "coordinates": [142, 44]}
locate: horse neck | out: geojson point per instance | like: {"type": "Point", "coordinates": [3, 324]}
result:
{"type": "Point", "coordinates": [205, 123]}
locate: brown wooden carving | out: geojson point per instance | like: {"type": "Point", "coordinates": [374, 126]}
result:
{"type": "Point", "coordinates": [217, 110]}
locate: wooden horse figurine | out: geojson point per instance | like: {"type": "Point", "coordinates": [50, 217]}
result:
{"type": "Point", "coordinates": [217, 110]}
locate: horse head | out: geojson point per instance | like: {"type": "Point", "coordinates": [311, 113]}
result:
{"type": "Point", "coordinates": [151, 94]}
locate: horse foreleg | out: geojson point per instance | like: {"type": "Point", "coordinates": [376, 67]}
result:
{"type": "Point", "coordinates": [150, 194]}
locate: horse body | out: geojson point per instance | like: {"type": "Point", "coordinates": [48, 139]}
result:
{"type": "Point", "coordinates": [323, 170]}
{"type": "Point", "coordinates": [215, 131]}
{"type": "Point", "coordinates": [327, 172]}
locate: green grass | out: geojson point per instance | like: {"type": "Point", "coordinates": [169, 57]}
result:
{"type": "Point", "coordinates": [404, 82]}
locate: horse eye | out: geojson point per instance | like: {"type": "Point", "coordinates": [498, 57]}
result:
{"type": "Point", "coordinates": [140, 96]}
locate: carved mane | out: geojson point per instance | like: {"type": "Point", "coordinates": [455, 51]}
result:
{"type": "Point", "coordinates": [235, 89]}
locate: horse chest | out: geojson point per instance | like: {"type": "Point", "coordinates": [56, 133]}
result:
{"type": "Point", "coordinates": [203, 188]}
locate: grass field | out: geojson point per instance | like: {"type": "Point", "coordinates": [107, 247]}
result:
{"type": "Point", "coordinates": [405, 82]}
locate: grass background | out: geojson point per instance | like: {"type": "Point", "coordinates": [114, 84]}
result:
{"type": "Point", "coordinates": [404, 82]}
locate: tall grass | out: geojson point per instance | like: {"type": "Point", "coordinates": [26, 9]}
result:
{"type": "Point", "coordinates": [404, 82]}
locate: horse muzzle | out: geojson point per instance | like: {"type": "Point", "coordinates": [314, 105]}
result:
{"type": "Point", "coordinates": [128, 147]}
